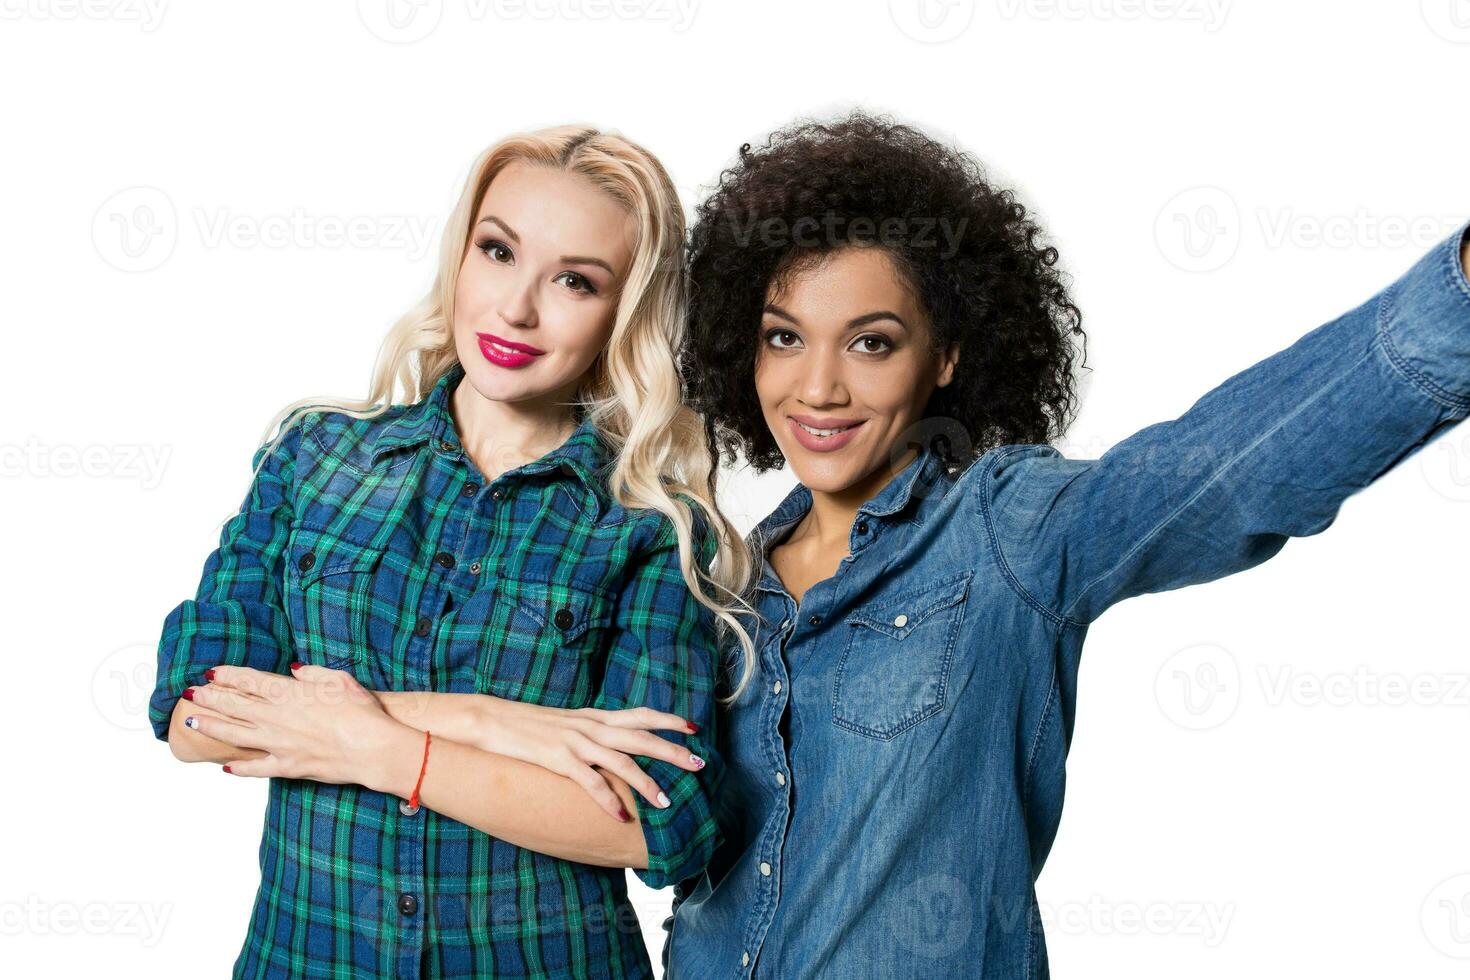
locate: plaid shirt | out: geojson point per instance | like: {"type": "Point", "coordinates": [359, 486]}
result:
{"type": "Point", "coordinates": [375, 546]}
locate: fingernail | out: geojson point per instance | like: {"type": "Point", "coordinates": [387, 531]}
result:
{"type": "Point", "coordinates": [693, 728]}
{"type": "Point", "coordinates": [189, 693]}
{"type": "Point", "coordinates": [189, 722]}
{"type": "Point", "coordinates": [296, 665]}
{"type": "Point", "coordinates": [623, 814]}
{"type": "Point", "coordinates": [209, 674]}
{"type": "Point", "coordinates": [698, 762]}
{"type": "Point", "coordinates": [228, 769]}
{"type": "Point", "coordinates": [663, 798]}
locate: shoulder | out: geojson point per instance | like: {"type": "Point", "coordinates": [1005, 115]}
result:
{"type": "Point", "coordinates": [335, 437]}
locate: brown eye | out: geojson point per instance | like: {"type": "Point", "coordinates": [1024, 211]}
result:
{"type": "Point", "coordinates": [577, 283]}
{"type": "Point", "coordinates": [772, 335]}
{"type": "Point", "coordinates": [497, 251]}
{"type": "Point", "coordinates": [872, 338]}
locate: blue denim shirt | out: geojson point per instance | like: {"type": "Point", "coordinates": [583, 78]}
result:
{"type": "Point", "coordinates": [895, 770]}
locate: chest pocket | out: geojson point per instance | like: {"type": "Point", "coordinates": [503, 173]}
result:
{"type": "Point", "coordinates": [894, 671]}
{"type": "Point", "coordinates": [544, 643]}
{"type": "Point", "coordinates": [330, 599]}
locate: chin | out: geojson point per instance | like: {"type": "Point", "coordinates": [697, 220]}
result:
{"type": "Point", "coordinates": [824, 472]}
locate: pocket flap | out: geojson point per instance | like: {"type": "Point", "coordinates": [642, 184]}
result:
{"type": "Point", "coordinates": [313, 553]}
{"type": "Point", "coordinates": [899, 617]}
{"type": "Point", "coordinates": [568, 609]}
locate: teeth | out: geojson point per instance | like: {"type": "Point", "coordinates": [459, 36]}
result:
{"type": "Point", "coordinates": [504, 349]}
{"type": "Point", "coordinates": [822, 432]}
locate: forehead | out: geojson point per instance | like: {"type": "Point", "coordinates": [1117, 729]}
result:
{"type": "Point", "coordinates": [560, 213]}
{"type": "Point", "coordinates": [844, 284]}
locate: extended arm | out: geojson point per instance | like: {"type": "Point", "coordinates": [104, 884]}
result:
{"type": "Point", "coordinates": [1269, 454]}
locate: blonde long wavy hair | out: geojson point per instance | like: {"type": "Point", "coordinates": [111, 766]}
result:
{"type": "Point", "coordinates": [633, 391]}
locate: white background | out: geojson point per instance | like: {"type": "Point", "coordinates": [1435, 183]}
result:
{"type": "Point", "coordinates": [1220, 177]}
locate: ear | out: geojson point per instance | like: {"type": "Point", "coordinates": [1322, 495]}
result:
{"type": "Point", "coordinates": [950, 358]}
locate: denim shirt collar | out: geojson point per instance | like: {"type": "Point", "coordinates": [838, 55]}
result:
{"type": "Point", "coordinates": [583, 454]}
{"type": "Point", "coordinates": [919, 476]}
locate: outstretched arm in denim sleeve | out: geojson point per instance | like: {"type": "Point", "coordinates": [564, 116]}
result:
{"type": "Point", "coordinates": [1269, 454]}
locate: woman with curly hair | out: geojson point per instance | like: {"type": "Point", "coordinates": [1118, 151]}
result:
{"type": "Point", "coordinates": [868, 307]}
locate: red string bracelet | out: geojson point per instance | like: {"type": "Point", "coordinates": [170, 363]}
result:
{"type": "Point", "coordinates": [414, 799]}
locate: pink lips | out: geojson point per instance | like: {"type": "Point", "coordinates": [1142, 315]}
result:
{"type": "Point", "coordinates": [823, 444]}
{"type": "Point", "coordinates": [507, 353]}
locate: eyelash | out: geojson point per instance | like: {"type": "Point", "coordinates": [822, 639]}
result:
{"type": "Point", "coordinates": [867, 336]}
{"type": "Point", "coordinates": [490, 244]}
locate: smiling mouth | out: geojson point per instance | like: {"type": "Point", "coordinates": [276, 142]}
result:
{"type": "Point", "coordinates": [826, 432]}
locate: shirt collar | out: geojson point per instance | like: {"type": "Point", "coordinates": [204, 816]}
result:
{"type": "Point", "coordinates": [919, 476]}
{"type": "Point", "coordinates": [429, 420]}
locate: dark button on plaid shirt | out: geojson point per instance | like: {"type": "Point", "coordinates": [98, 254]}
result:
{"type": "Point", "coordinates": [375, 546]}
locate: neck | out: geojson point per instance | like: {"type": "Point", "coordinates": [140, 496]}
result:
{"type": "Point", "coordinates": [500, 436]}
{"type": "Point", "coordinates": [829, 522]}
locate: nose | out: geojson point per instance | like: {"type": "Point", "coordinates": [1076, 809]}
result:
{"type": "Point", "coordinates": [517, 306]}
{"type": "Point", "coordinates": [823, 385]}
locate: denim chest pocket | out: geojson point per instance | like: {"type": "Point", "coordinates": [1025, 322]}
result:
{"type": "Point", "coordinates": [895, 667]}
{"type": "Point", "coordinates": [542, 643]}
{"type": "Point", "coordinates": [329, 598]}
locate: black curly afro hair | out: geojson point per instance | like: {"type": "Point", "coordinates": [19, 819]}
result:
{"type": "Point", "coordinates": [966, 247]}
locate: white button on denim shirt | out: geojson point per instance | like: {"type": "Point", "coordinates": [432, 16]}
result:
{"type": "Point", "coordinates": [921, 704]}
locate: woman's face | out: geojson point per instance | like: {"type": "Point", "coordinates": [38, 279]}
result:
{"type": "Point", "coordinates": [846, 347]}
{"type": "Point", "coordinates": [538, 288]}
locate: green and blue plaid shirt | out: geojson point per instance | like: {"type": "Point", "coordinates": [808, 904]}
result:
{"type": "Point", "coordinates": [376, 546]}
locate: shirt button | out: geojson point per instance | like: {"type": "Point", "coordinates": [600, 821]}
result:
{"type": "Point", "coordinates": [407, 809]}
{"type": "Point", "coordinates": [765, 869]}
{"type": "Point", "coordinates": [815, 620]}
{"type": "Point", "coordinates": [474, 568]}
{"type": "Point", "coordinates": [862, 527]}
{"type": "Point", "coordinates": [780, 778]}
{"type": "Point", "coordinates": [407, 904]}
{"type": "Point", "coordinates": [498, 493]}
{"type": "Point", "coordinates": [900, 620]}
{"type": "Point", "coordinates": [444, 559]}
{"type": "Point", "coordinates": [470, 489]}
{"type": "Point", "coordinates": [447, 446]}
{"type": "Point", "coordinates": [745, 959]}
{"type": "Point", "coordinates": [421, 628]}
{"type": "Point", "coordinates": [306, 561]}
{"type": "Point", "coordinates": [776, 688]}
{"type": "Point", "coordinates": [563, 619]}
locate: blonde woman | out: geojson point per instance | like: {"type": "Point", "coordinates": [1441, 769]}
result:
{"type": "Point", "coordinates": [447, 630]}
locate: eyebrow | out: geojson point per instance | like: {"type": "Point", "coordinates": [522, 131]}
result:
{"type": "Point", "coordinates": [853, 324]}
{"type": "Point", "coordinates": [568, 259]}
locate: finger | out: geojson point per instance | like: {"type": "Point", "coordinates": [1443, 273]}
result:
{"type": "Point", "coordinates": [227, 730]}
{"type": "Point", "coordinates": [629, 772]}
{"type": "Point", "coordinates": [645, 717]}
{"type": "Point", "coordinates": [248, 680]}
{"type": "Point", "coordinates": [316, 674]}
{"type": "Point", "coordinates": [634, 742]}
{"type": "Point", "coordinates": [226, 701]}
{"type": "Point", "coordinates": [266, 765]}
{"type": "Point", "coordinates": [602, 794]}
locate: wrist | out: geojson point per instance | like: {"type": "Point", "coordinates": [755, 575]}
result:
{"type": "Point", "coordinates": [390, 761]}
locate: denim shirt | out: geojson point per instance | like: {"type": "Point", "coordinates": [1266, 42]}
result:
{"type": "Point", "coordinates": [895, 770]}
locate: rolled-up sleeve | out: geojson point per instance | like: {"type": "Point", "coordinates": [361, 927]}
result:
{"type": "Point", "coordinates": [236, 616]}
{"type": "Point", "coordinates": [1269, 454]}
{"type": "Point", "coordinates": [663, 655]}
